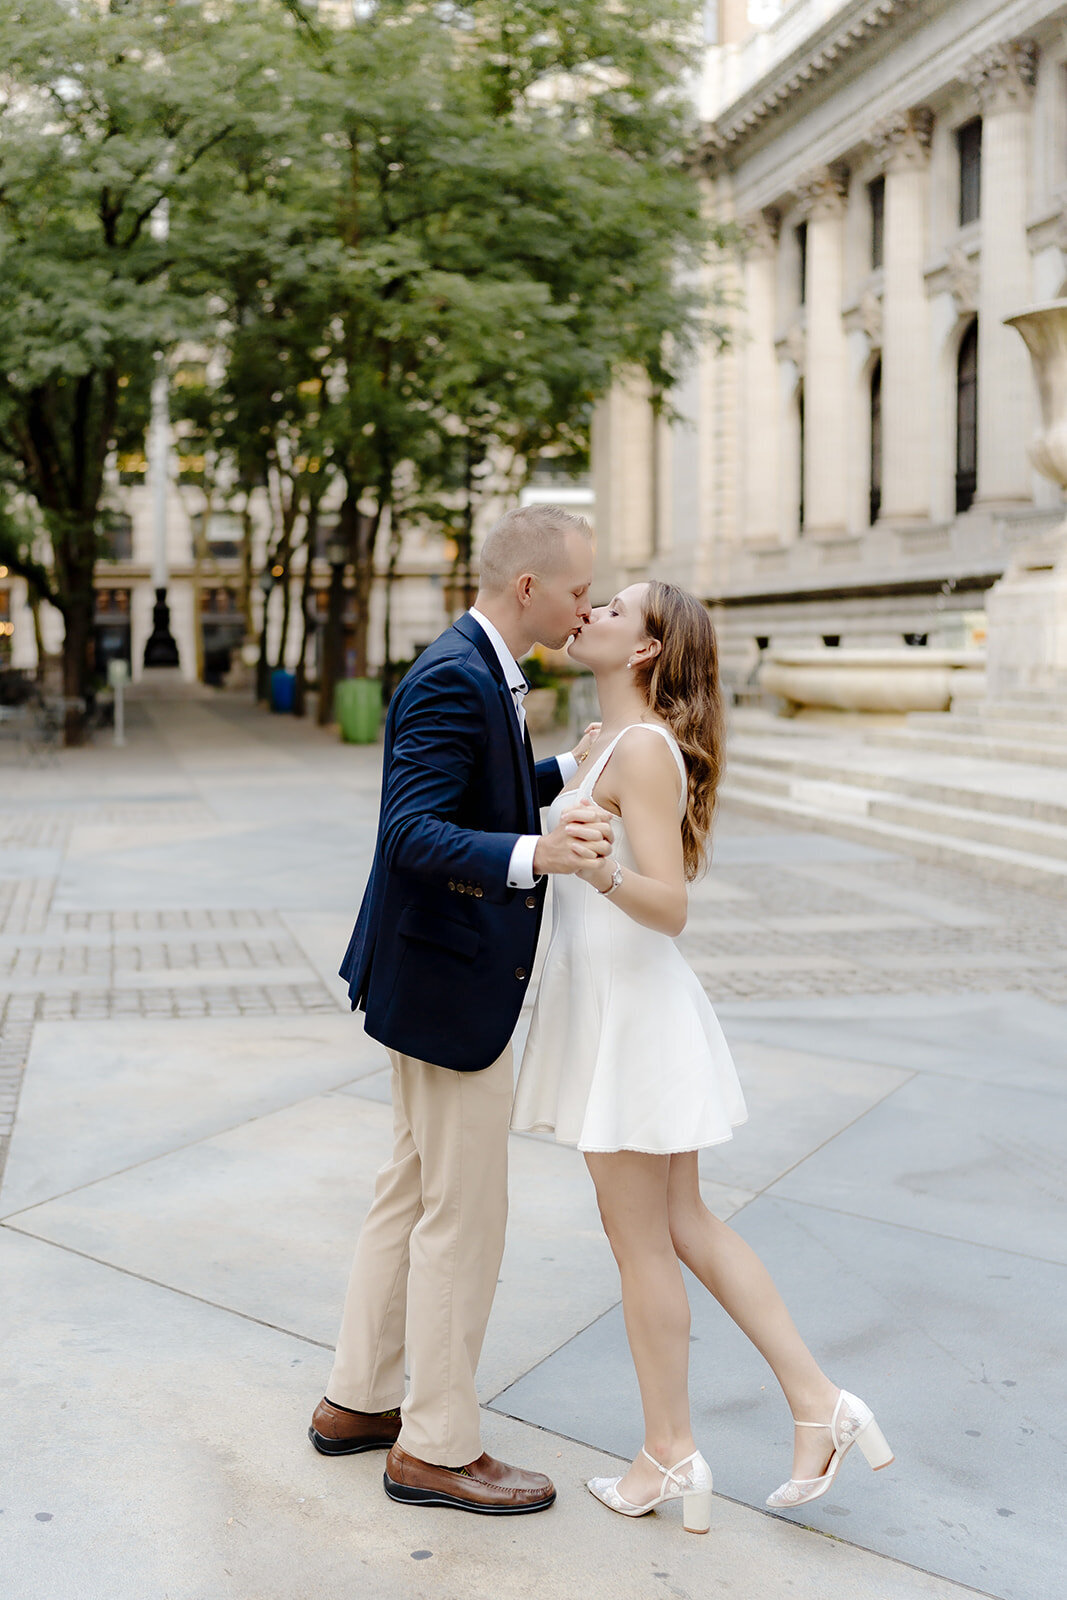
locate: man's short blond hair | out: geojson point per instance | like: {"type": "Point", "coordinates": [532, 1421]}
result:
{"type": "Point", "coordinates": [528, 539]}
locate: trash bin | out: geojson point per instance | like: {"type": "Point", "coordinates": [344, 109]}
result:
{"type": "Point", "coordinates": [282, 689]}
{"type": "Point", "coordinates": [357, 706]}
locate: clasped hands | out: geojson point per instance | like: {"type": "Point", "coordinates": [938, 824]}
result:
{"type": "Point", "coordinates": [579, 843]}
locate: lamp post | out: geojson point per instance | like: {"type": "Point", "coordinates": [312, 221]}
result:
{"type": "Point", "coordinates": [160, 649]}
{"type": "Point", "coordinates": [330, 665]}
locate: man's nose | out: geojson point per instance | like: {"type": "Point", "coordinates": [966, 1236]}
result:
{"type": "Point", "coordinates": [584, 610]}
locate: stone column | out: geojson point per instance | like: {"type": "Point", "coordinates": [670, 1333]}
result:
{"type": "Point", "coordinates": [760, 489]}
{"type": "Point", "coordinates": [624, 475]}
{"type": "Point", "coordinates": [826, 365]}
{"type": "Point", "coordinates": [904, 143]}
{"type": "Point", "coordinates": [1003, 78]}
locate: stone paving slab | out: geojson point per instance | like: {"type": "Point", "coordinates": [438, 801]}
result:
{"type": "Point", "coordinates": [155, 1449]}
{"type": "Point", "coordinates": [966, 1160]}
{"type": "Point", "coordinates": [844, 976]}
{"type": "Point", "coordinates": [1012, 1039]}
{"type": "Point", "coordinates": [104, 1096]}
{"type": "Point", "coordinates": [959, 1348]}
{"type": "Point", "coordinates": [796, 1102]}
{"type": "Point", "coordinates": [262, 1219]}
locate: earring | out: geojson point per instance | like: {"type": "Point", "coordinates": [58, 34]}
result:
{"type": "Point", "coordinates": [630, 664]}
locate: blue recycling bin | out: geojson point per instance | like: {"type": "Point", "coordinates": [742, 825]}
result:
{"type": "Point", "coordinates": [282, 689]}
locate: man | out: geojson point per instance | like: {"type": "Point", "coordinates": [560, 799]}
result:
{"type": "Point", "coordinates": [440, 960]}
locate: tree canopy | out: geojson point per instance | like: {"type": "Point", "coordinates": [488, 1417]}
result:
{"type": "Point", "coordinates": [412, 243]}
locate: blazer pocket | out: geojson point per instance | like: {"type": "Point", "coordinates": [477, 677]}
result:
{"type": "Point", "coordinates": [426, 927]}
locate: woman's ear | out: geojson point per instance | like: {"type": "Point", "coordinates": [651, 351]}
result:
{"type": "Point", "coordinates": [648, 651]}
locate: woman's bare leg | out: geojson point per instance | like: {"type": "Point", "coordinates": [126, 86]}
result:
{"type": "Point", "coordinates": [631, 1191]}
{"type": "Point", "coordinates": [732, 1271]}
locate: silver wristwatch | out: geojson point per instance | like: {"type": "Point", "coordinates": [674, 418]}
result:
{"type": "Point", "coordinates": [616, 880]}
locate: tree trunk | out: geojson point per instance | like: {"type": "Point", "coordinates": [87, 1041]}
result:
{"type": "Point", "coordinates": [300, 687]}
{"type": "Point", "coordinates": [77, 666]}
{"type": "Point", "coordinates": [396, 539]}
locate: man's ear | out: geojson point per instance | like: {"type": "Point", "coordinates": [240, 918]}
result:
{"type": "Point", "coordinates": [524, 588]}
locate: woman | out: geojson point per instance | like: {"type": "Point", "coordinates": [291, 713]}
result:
{"type": "Point", "coordinates": [627, 1061]}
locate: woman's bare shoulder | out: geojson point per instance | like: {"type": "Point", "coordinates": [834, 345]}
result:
{"type": "Point", "coordinates": [643, 756]}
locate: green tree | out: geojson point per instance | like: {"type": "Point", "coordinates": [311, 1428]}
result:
{"type": "Point", "coordinates": [496, 217]}
{"type": "Point", "coordinates": [106, 111]}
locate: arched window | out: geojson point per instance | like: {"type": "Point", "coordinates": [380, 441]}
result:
{"type": "Point", "coordinates": [967, 418]}
{"type": "Point", "coordinates": [876, 442]}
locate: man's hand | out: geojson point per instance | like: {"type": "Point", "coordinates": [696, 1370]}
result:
{"type": "Point", "coordinates": [582, 836]}
{"type": "Point", "coordinates": [582, 748]}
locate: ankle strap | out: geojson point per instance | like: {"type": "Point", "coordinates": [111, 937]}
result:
{"type": "Point", "coordinates": [671, 1472]}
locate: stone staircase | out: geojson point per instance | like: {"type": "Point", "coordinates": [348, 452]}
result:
{"type": "Point", "coordinates": [984, 788]}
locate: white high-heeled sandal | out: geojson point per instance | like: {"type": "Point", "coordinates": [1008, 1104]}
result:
{"type": "Point", "coordinates": [689, 1479]}
{"type": "Point", "coordinates": [852, 1423]}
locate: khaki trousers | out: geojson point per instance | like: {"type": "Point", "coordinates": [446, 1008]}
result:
{"type": "Point", "coordinates": [428, 1258]}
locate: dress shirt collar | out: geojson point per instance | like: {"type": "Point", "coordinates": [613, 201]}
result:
{"type": "Point", "coordinates": [514, 676]}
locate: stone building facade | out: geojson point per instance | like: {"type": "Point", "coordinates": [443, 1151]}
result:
{"type": "Point", "coordinates": [853, 468]}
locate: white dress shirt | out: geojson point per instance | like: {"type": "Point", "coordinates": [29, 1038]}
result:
{"type": "Point", "coordinates": [521, 873]}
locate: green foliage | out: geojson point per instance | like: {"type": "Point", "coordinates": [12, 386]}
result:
{"type": "Point", "coordinates": [416, 244]}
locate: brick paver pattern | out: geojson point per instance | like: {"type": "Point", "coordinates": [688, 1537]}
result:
{"type": "Point", "coordinates": [756, 931]}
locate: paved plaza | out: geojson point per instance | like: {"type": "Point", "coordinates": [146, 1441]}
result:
{"type": "Point", "coordinates": [191, 1120]}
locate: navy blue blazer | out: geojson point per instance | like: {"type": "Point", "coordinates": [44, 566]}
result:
{"type": "Point", "coordinates": [442, 951]}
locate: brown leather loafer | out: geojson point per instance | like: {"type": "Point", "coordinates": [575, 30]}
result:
{"type": "Point", "coordinates": [488, 1486]}
{"type": "Point", "coordinates": [336, 1431]}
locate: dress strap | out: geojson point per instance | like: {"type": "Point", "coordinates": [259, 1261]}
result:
{"type": "Point", "coordinates": [589, 782]}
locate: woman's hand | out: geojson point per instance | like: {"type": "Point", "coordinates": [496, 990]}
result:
{"type": "Point", "coordinates": [585, 743]}
{"type": "Point", "coordinates": [582, 835]}
{"type": "Point", "coordinates": [598, 874]}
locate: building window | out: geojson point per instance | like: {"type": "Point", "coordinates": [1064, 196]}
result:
{"type": "Point", "coordinates": [800, 444]}
{"type": "Point", "coordinates": [876, 193]}
{"type": "Point", "coordinates": [967, 418]}
{"type": "Point", "coordinates": [876, 442]}
{"type": "Point", "coordinates": [969, 145]}
{"type": "Point", "coordinates": [116, 536]}
{"type": "Point", "coordinates": [218, 536]}
{"type": "Point", "coordinates": [802, 262]}
{"type": "Point", "coordinates": [111, 629]}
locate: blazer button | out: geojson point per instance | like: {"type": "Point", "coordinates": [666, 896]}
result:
{"type": "Point", "coordinates": [520, 973]}
{"type": "Point", "coordinates": [531, 901]}
{"type": "Point", "coordinates": [452, 885]}
{"type": "Point", "coordinates": [478, 893]}
{"type": "Point", "coordinates": [461, 888]}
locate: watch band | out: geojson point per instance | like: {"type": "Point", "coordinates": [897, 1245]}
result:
{"type": "Point", "coordinates": [616, 880]}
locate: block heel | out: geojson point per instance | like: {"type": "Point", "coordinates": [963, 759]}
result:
{"type": "Point", "coordinates": [696, 1511]}
{"type": "Point", "coordinates": [872, 1442]}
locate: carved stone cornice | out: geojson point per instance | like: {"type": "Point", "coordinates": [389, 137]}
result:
{"type": "Point", "coordinates": [760, 233]}
{"type": "Point", "coordinates": [1003, 76]}
{"type": "Point", "coordinates": [824, 52]}
{"type": "Point", "coordinates": [962, 279]}
{"type": "Point", "coordinates": [866, 317]}
{"type": "Point", "coordinates": [903, 140]}
{"type": "Point", "coordinates": [822, 192]}
{"type": "Point", "coordinates": [793, 343]}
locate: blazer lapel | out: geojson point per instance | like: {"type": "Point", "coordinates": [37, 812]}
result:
{"type": "Point", "coordinates": [521, 748]}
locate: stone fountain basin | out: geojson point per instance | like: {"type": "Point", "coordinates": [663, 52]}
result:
{"type": "Point", "coordinates": [913, 678]}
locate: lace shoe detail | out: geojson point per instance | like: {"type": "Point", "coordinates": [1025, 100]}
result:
{"type": "Point", "coordinates": [852, 1422]}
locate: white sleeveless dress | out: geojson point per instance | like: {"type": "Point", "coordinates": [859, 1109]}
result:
{"type": "Point", "coordinates": [624, 1051]}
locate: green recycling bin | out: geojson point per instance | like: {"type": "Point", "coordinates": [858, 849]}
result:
{"type": "Point", "coordinates": [357, 707]}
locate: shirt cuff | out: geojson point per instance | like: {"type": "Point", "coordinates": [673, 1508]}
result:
{"type": "Point", "coordinates": [520, 868]}
{"type": "Point", "coordinates": [567, 766]}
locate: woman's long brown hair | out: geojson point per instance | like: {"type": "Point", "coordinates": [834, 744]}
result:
{"type": "Point", "coordinates": [682, 685]}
